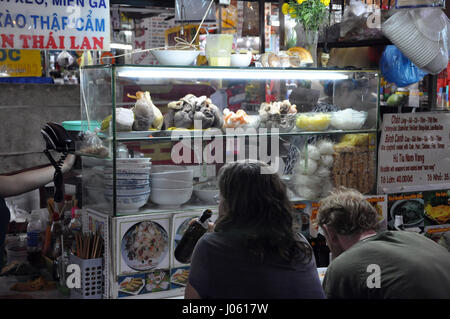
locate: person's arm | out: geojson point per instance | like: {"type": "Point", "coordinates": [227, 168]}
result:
{"type": "Point", "coordinates": [190, 292]}
{"type": "Point", "coordinates": [20, 183]}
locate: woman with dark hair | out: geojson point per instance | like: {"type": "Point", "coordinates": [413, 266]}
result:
{"type": "Point", "coordinates": [253, 252]}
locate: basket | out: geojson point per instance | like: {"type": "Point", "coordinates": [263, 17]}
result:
{"type": "Point", "coordinates": [92, 284]}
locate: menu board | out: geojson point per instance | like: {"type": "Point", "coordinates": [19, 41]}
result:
{"type": "Point", "coordinates": [419, 209]}
{"type": "Point", "coordinates": [414, 152]}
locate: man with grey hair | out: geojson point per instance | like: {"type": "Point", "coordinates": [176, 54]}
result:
{"type": "Point", "coordinates": [371, 264]}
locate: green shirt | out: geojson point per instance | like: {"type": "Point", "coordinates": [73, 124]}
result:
{"type": "Point", "coordinates": [410, 266]}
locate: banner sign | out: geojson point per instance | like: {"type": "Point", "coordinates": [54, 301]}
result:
{"type": "Point", "coordinates": [20, 63]}
{"type": "Point", "coordinates": [55, 24]}
{"type": "Point", "coordinates": [403, 4]}
{"type": "Point", "coordinates": [414, 152]}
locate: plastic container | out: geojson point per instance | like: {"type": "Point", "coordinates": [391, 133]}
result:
{"type": "Point", "coordinates": [16, 252]}
{"type": "Point", "coordinates": [319, 121]}
{"type": "Point", "coordinates": [218, 49]}
{"type": "Point", "coordinates": [283, 122]}
{"type": "Point", "coordinates": [92, 281]}
{"type": "Point", "coordinates": [34, 238]}
{"type": "Point", "coordinates": [348, 119]}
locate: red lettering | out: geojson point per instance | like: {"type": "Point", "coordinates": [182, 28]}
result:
{"type": "Point", "coordinates": [25, 39]}
{"type": "Point", "coordinates": [86, 44]}
{"type": "Point", "coordinates": [61, 42]}
{"type": "Point", "coordinates": [38, 41]}
{"type": "Point", "coordinates": [8, 40]}
{"type": "Point", "coordinates": [98, 42]}
{"type": "Point", "coordinates": [73, 45]}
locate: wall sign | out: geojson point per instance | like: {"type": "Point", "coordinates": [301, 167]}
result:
{"type": "Point", "coordinates": [55, 24]}
{"type": "Point", "coordinates": [19, 63]}
{"type": "Point", "coordinates": [414, 152]}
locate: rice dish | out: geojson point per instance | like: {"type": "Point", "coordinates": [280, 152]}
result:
{"type": "Point", "coordinates": [146, 243]}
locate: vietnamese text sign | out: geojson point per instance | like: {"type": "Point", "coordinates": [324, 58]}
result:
{"type": "Point", "coordinates": [20, 63]}
{"type": "Point", "coordinates": [55, 24]}
{"type": "Point", "coordinates": [414, 152]}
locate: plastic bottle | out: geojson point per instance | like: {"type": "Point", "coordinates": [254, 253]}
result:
{"type": "Point", "coordinates": [34, 240]}
{"type": "Point", "coordinates": [184, 249]}
{"type": "Point", "coordinates": [57, 231]}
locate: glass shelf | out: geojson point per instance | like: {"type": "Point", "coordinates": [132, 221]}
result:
{"type": "Point", "coordinates": [180, 134]}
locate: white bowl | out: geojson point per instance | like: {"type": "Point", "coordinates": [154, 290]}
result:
{"type": "Point", "coordinates": [206, 195]}
{"type": "Point", "coordinates": [128, 191]}
{"type": "Point", "coordinates": [122, 176]}
{"type": "Point", "coordinates": [171, 198]}
{"type": "Point", "coordinates": [130, 204]}
{"type": "Point", "coordinates": [170, 183]}
{"type": "Point", "coordinates": [129, 170]}
{"type": "Point", "coordinates": [174, 172]}
{"type": "Point", "coordinates": [241, 60]}
{"type": "Point", "coordinates": [127, 182]}
{"type": "Point", "coordinates": [175, 57]}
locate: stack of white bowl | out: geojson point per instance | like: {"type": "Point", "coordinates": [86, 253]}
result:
{"type": "Point", "coordinates": [172, 185]}
{"type": "Point", "coordinates": [132, 183]}
{"type": "Point", "coordinates": [407, 30]}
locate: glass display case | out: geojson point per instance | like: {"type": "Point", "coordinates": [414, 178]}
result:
{"type": "Point", "coordinates": [156, 136]}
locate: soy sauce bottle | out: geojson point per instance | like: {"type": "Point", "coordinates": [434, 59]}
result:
{"type": "Point", "coordinates": [184, 249]}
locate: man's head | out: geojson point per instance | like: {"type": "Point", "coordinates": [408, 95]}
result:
{"type": "Point", "coordinates": [345, 216]}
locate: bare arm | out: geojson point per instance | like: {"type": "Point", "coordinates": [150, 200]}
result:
{"type": "Point", "coordinates": [26, 181]}
{"type": "Point", "coordinates": [190, 292]}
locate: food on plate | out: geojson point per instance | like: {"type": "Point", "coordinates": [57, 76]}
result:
{"type": "Point", "coordinates": [313, 121]}
{"type": "Point", "coordinates": [190, 108]}
{"type": "Point", "coordinates": [303, 54]}
{"type": "Point", "coordinates": [131, 284]}
{"type": "Point", "coordinates": [440, 213]}
{"type": "Point", "coordinates": [146, 114]}
{"type": "Point", "coordinates": [232, 120]}
{"type": "Point", "coordinates": [411, 210]}
{"type": "Point", "coordinates": [181, 276]}
{"type": "Point", "coordinates": [278, 115]}
{"type": "Point", "coordinates": [145, 243]}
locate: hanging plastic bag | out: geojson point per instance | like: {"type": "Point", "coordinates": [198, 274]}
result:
{"type": "Point", "coordinates": [250, 25]}
{"type": "Point", "coordinates": [398, 69]}
{"type": "Point", "coordinates": [194, 11]}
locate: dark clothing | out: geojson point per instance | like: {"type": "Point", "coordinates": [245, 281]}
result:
{"type": "Point", "coordinates": [4, 222]}
{"type": "Point", "coordinates": [221, 268]}
{"type": "Point", "coordinates": [411, 266]}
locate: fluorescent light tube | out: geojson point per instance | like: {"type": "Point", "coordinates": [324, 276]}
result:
{"type": "Point", "coordinates": [229, 73]}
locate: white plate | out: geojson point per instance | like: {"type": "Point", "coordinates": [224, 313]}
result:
{"type": "Point", "coordinates": [130, 237]}
{"type": "Point", "coordinates": [127, 280]}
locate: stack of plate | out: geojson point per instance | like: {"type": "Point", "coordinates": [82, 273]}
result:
{"type": "Point", "coordinates": [132, 183]}
{"type": "Point", "coordinates": [172, 185]}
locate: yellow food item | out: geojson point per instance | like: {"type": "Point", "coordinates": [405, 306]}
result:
{"type": "Point", "coordinates": [304, 55]}
{"type": "Point", "coordinates": [440, 213]}
{"type": "Point", "coordinates": [105, 123]}
{"type": "Point", "coordinates": [316, 122]}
